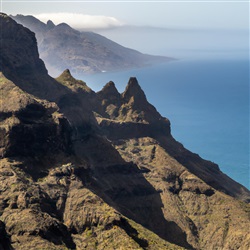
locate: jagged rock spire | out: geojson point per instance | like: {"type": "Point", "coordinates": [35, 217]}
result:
{"type": "Point", "coordinates": [133, 89]}
{"type": "Point", "coordinates": [67, 79]}
{"type": "Point", "coordinates": [110, 89]}
{"type": "Point", "coordinates": [66, 73]}
{"type": "Point", "coordinates": [109, 95]}
{"type": "Point", "coordinates": [50, 24]}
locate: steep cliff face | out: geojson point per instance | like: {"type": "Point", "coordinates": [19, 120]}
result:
{"type": "Point", "coordinates": [31, 127]}
{"type": "Point", "coordinates": [101, 170]}
{"type": "Point", "coordinates": [15, 57]}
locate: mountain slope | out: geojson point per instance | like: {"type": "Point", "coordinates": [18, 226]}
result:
{"type": "Point", "coordinates": [62, 47]}
{"type": "Point", "coordinates": [101, 170]}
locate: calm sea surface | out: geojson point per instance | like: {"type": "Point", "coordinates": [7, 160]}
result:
{"type": "Point", "coordinates": [207, 103]}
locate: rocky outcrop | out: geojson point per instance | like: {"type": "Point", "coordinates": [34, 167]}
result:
{"type": "Point", "coordinates": [133, 117]}
{"type": "Point", "coordinates": [129, 115]}
{"type": "Point", "coordinates": [102, 171]}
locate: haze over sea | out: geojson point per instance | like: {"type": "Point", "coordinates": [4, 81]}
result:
{"type": "Point", "coordinates": [207, 102]}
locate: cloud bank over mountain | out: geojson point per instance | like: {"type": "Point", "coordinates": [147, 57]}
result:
{"type": "Point", "coordinates": [81, 21]}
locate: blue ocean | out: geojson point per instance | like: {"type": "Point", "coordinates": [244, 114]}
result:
{"type": "Point", "coordinates": [207, 102]}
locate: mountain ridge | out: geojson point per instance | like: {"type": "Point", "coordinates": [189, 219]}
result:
{"type": "Point", "coordinates": [61, 46]}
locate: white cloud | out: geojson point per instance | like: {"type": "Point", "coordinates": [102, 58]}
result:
{"type": "Point", "coordinates": [81, 21]}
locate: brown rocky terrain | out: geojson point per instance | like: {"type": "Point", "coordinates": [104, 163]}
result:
{"type": "Point", "coordinates": [86, 170]}
{"type": "Point", "coordinates": [61, 47]}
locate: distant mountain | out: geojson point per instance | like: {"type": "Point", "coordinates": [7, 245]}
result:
{"type": "Point", "coordinates": [87, 170]}
{"type": "Point", "coordinates": [61, 46]}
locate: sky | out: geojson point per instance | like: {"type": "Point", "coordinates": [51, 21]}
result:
{"type": "Point", "coordinates": [174, 28]}
{"type": "Point", "coordinates": [209, 14]}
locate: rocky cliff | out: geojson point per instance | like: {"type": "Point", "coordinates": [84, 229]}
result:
{"type": "Point", "coordinates": [86, 170]}
{"type": "Point", "coordinates": [62, 47]}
